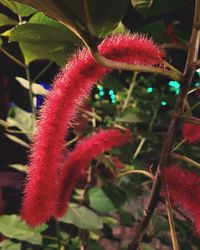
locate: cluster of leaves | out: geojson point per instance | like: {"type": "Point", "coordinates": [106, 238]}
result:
{"type": "Point", "coordinates": [107, 199]}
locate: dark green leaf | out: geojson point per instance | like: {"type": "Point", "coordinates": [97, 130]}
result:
{"type": "Point", "coordinates": [38, 41]}
{"type": "Point", "coordinates": [4, 20]}
{"type": "Point", "coordinates": [82, 217]}
{"type": "Point", "coordinates": [106, 199]}
{"type": "Point", "coordinates": [99, 16]}
{"type": "Point", "coordinates": [18, 8]}
{"type": "Point", "coordinates": [11, 226]}
{"type": "Point", "coordinates": [1, 42]}
{"type": "Point", "coordinates": [156, 30]}
{"type": "Point", "coordinates": [93, 17]}
{"type": "Point", "coordinates": [149, 8]}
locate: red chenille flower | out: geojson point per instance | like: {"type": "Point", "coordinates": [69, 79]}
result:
{"type": "Point", "coordinates": [71, 86]}
{"type": "Point", "coordinates": [78, 160]}
{"type": "Point", "coordinates": [191, 132]}
{"type": "Point", "coordinates": [184, 190]}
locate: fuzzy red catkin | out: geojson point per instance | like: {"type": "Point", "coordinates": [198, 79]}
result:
{"type": "Point", "coordinates": [78, 160]}
{"type": "Point", "coordinates": [70, 88]}
{"type": "Point", "coordinates": [184, 190]}
{"type": "Point", "coordinates": [191, 132]}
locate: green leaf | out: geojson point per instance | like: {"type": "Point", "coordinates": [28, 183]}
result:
{"type": "Point", "coordinates": [19, 167]}
{"type": "Point", "coordinates": [18, 8]}
{"type": "Point", "coordinates": [88, 18]}
{"type": "Point", "coordinates": [17, 140]}
{"type": "Point", "coordinates": [56, 52]}
{"type": "Point", "coordinates": [11, 226]}
{"type": "Point", "coordinates": [38, 41]}
{"type": "Point", "coordinates": [109, 221]}
{"type": "Point", "coordinates": [149, 8]}
{"type": "Point", "coordinates": [4, 20]}
{"type": "Point", "coordinates": [133, 115]}
{"type": "Point", "coordinates": [37, 89]}
{"type": "Point", "coordinates": [32, 32]}
{"type": "Point", "coordinates": [1, 42]}
{"type": "Point", "coordinates": [40, 18]}
{"type": "Point", "coordinates": [106, 199]}
{"type": "Point", "coordinates": [99, 16]}
{"type": "Point", "coordinates": [9, 245]}
{"type": "Point", "coordinates": [82, 217]}
{"type": "Point", "coordinates": [147, 247]}
{"type": "Point", "coordinates": [21, 119]}
{"type": "Point", "coordinates": [4, 123]}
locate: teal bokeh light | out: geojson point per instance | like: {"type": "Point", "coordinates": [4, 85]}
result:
{"type": "Point", "coordinates": [150, 89]}
{"type": "Point", "coordinates": [174, 86]}
{"type": "Point", "coordinates": [163, 103]}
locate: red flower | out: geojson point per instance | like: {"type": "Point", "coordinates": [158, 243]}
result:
{"type": "Point", "coordinates": [184, 190]}
{"type": "Point", "coordinates": [78, 160]}
{"type": "Point", "coordinates": [70, 88]}
{"type": "Point", "coordinates": [118, 164]}
{"type": "Point", "coordinates": [191, 132]}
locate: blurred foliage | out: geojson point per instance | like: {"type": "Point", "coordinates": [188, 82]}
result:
{"type": "Point", "coordinates": [107, 201]}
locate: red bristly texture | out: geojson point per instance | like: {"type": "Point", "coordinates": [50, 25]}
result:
{"type": "Point", "coordinates": [70, 88]}
{"type": "Point", "coordinates": [184, 190]}
{"type": "Point", "coordinates": [78, 160]}
{"type": "Point", "coordinates": [191, 132]}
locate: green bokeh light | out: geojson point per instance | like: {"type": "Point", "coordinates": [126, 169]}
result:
{"type": "Point", "coordinates": [100, 87]}
{"type": "Point", "coordinates": [101, 93]}
{"type": "Point", "coordinates": [163, 103]}
{"type": "Point", "coordinates": [174, 86]}
{"type": "Point", "coordinates": [150, 89]}
{"type": "Point", "coordinates": [198, 71]}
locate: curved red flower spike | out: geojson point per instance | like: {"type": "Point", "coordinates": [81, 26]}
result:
{"type": "Point", "coordinates": [184, 190]}
{"type": "Point", "coordinates": [70, 88]}
{"type": "Point", "coordinates": [191, 132]}
{"type": "Point", "coordinates": [78, 160]}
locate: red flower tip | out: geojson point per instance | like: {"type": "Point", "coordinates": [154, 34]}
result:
{"type": "Point", "coordinates": [70, 88]}
{"type": "Point", "coordinates": [184, 190]}
{"type": "Point", "coordinates": [78, 160]}
{"type": "Point", "coordinates": [116, 161]}
{"type": "Point", "coordinates": [191, 132]}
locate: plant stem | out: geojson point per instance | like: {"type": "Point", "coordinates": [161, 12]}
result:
{"type": "Point", "coordinates": [130, 90]}
{"type": "Point", "coordinates": [186, 159]}
{"type": "Point", "coordinates": [178, 145]}
{"type": "Point", "coordinates": [42, 71]}
{"type": "Point", "coordinates": [169, 66]}
{"type": "Point", "coordinates": [30, 90]}
{"type": "Point", "coordinates": [139, 148]}
{"type": "Point", "coordinates": [137, 151]}
{"type": "Point", "coordinates": [171, 221]}
{"type": "Point", "coordinates": [169, 138]}
{"type": "Point", "coordinates": [134, 67]}
{"type": "Point", "coordinates": [58, 234]}
{"type": "Point", "coordinates": [136, 172]}
{"type": "Point", "coordinates": [12, 57]}
{"type": "Point", "coordinates": [174, 46]}
{"type": "Point", "coordinates": [191, 120]}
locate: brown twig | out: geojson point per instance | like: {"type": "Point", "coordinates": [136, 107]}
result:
{"type": "Point", "coordinates": [169, 138]}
